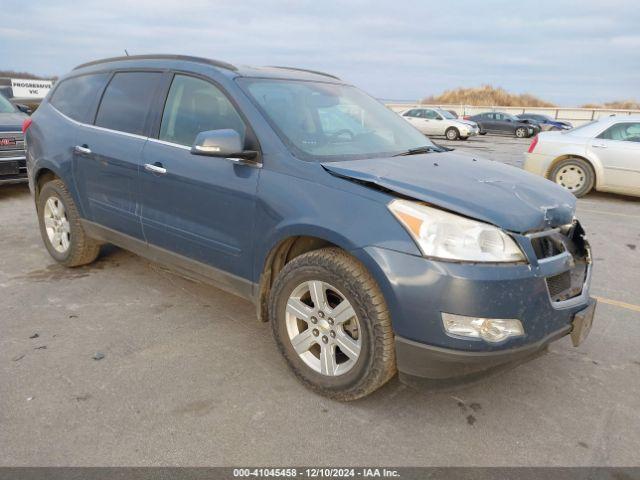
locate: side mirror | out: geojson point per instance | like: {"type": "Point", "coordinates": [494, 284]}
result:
{"type": "Point", "coordinates": [24, 108]}
{"type": "Point", "coordinates": [225, 143]}
{"type": "Point", "coordinates": [438, 118]}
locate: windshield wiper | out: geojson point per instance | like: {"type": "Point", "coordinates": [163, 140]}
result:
{"type": "Point", "coordinates": [418, 150]}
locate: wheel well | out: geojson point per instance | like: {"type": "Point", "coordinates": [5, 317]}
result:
{"type": "Point", "coordinates": [565, 157]}
{"type": "Point", "coordinates": [278, 257]}
{"type": "Point", "coordinates": [44, 175]}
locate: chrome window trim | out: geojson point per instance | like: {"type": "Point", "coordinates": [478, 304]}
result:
{"type": "Point", "coordinates": [127, 134]}
{"type": "Point", "coordinates": [170, 144]}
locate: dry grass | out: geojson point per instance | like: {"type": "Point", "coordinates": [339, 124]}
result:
{"type": "Point", "coordinates": [620, 104]}
{"type": "Point", "coordinates": [486, 95]}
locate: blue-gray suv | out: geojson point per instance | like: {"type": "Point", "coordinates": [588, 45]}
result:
{"type": "Point", "coordinates": [367, 247]}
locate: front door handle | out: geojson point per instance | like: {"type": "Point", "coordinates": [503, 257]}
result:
{"type": "Point", "coordinates": [155, 168]}
{"type": "Point", "coordinates": [82, 149]}
{"type": "Point", "coordinates": [599, 145]}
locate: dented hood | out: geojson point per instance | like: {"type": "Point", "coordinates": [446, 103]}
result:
{"type": "Point", "coordinates": [492, 192]}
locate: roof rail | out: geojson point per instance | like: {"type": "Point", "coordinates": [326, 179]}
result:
{"type": "Point", "coordinates": [188, 58]}
{"type": "Point", "coordinates": [305, 70]}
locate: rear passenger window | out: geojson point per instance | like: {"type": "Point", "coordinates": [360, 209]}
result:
{"type": "Point", "coordinates": [126, 101]}
{"type": "Point", "coordinates": [195, 106]}
{"type": "Point", "coordinates": [430, 114]}
{"type": "Point", "coordinates": [76, 96]}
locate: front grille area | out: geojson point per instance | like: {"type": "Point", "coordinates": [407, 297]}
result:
{"type": "Point", "coordinates": [559, 283]}
{"type": "Point", "coordinates": [547, 246]}
{"type": "Point", "coordinates": [570, 239]}
{"type": "Point", "coordinates": [12, 156]}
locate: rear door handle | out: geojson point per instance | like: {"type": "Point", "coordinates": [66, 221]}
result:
{"type": "Point", "coordinates": [155, 168]}
{"type": "Point", "coordinates": [82, 149]}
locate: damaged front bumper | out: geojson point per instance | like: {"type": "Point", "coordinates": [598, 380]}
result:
{"type": "Point", "coordinates": [544, 294]}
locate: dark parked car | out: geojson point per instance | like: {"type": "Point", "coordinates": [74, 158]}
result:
{"type": "Point", "coordinates": [545, 122]}
{"type": "Point", "coordinates": [367, 247]}
{"type": "Point", "coordinates": [499, 122]}
{"type": "Point", "coordinates": [12, 158]}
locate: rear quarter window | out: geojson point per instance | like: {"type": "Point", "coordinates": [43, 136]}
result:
{"type": "Point", "coordinates": [75, 97]}
{"type": "Point", "coordinates": [126, 101]}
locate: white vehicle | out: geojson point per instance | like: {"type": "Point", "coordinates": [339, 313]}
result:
{"type": "Point", "coordinates": [603, 154]}
{"type": "Point", "coordinates": [436, 121]}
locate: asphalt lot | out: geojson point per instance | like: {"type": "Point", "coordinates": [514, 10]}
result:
{"type": "Point", "coordinates": [189, 376]}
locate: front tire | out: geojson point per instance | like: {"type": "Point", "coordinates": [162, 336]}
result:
{"type": "Point", "coordinates": [575, 175]}
{"type": "Point", "coordinates": [452, 133]}
{"type": "Point", "coordinates": [60, 228]}
{"type": "Point", "coordinates": [331, 323]}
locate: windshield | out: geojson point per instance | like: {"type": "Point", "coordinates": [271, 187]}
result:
{"type": "Point", "coordinates": [5, 105]}
{"type": "Point", "coordinates": [329, 122]}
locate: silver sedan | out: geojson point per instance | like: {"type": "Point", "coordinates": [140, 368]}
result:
{"type": "Point", "coordinates": [602, 155]}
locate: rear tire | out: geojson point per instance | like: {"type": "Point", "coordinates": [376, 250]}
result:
{"type": "Point", "coordinates": [332, 277]}
{"type": "Point", "coordinates": [574, 174]}
{"type": "Point", "coordinates": [60, 227]}
{"type": "Point", "coordinates": [452, 133]}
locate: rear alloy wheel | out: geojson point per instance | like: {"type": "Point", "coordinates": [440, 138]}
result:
{"type": "Point", "coordinates": [452, 133]}
{"type": "Point", "coordinates": [61, 229]}
{"type": "Point", "coordinates": [574, 174]}
{"type": "Point", "coordinates": [521, 132]}
{"type": "Point", "coordinates": [331, 324]}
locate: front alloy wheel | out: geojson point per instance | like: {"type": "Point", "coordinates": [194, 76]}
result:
{"type": "Point", "coordinates": [331, 323]}
{"type": "Point", "coordinates": [521, 132]}
{"type": "Point", "coordinates": [323, 328]}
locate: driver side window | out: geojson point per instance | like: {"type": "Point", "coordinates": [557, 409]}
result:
{"type": "Point", "coordinates": [193, 106]}
{"type": "Point", "coordinates": [625, 132]}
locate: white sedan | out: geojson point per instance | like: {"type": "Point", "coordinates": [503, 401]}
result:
{"type": "Point", "coordinates": [436, 121]}
{"type": "Point", "coordinates": [603, 154]}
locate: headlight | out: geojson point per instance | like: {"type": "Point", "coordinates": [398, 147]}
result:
{"type": "Point", "coordinates": [447, 236]}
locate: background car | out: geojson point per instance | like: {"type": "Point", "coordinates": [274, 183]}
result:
{"type": "Point", "coordinates": [500, 122]}
{"type": "Point", "coordinates": [545, 121]}
{"type": "Point", "coordinates": [436, 121]}
{"type": "Point", "coordinates": [13, 167]}
{"type": "Point", "coordinates": [604, 154]}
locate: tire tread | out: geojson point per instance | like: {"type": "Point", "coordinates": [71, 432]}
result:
{"type": "Point", "coordinates": [383, 365]}
{"type": "Point", "coordinates": [83, 249]}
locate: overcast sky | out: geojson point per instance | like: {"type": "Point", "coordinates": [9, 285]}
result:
{"type": "Point", "coordinates": [569, 52]}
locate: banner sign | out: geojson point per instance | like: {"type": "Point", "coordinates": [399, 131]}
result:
{"type": "Point", "coordinates": [29, 88]}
